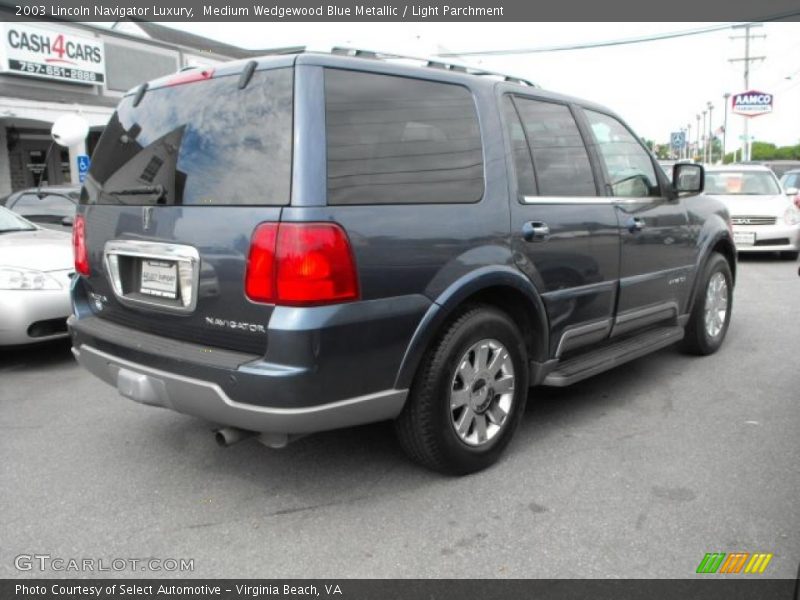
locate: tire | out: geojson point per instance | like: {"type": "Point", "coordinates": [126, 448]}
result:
{"type": "Point", "coordinates": [789, 255]}
{"type": "Point", "coordinates": [703, 338]}
{"type": "Point", "coordinates": [450, 373]}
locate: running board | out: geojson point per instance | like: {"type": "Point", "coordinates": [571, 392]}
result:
{"type": "Point", "coordinates": [593, 362]}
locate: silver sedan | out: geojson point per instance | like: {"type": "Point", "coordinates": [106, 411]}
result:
{"type": "Point", "coordinates": [36, 266]}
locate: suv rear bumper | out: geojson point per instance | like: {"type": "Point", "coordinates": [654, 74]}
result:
{"type": "Point", "coordinates": [209, 401]}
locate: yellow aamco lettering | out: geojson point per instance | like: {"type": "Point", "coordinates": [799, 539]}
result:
{"type": "Point", "coordinates": [300, 590]}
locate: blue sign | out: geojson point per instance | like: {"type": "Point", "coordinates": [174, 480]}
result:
{"type": "Point", "coordinates": [677, 140]}
{"type": "Point", "coordinates": [83, 167]}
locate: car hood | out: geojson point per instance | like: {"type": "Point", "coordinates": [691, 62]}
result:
{"type": "Point", "coordinates": [754, 205]}
{"type": "Point", "coordinates": [43, 250]}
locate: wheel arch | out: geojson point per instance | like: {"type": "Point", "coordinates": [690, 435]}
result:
{"type": "Point", "coordinates": [722, 244]}
{"type": "Point", "coordinates": [505, 288]}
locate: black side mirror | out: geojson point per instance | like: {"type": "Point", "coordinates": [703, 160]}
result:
{"type": "Point", "coordinates": [688, 178]}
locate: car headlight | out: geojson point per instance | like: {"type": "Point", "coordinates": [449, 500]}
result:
{"type": "Point", "coordinates": [791, 216]}
{"type": "Point", "coordinates": [14, 278]}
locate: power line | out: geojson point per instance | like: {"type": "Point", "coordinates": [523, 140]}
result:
{"type": "Point", "coordinates": [588, 45]}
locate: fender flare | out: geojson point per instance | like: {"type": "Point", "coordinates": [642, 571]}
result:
{"type": "Point", "coordinates": [445, 305]}
{"type": "Point", "coordinates": [705, 255]}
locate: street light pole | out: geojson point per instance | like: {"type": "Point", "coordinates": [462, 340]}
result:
{"type": "Point", "coordinates": [705, 141]}
{"type": "Point", "coordinates": [688, 139]}
{"type": "Point", "coordinates": [710, 135]}
{"type": "Point", "coordinates": [697, 135]}
{"type": "Point", "coordinates": [725, 96]}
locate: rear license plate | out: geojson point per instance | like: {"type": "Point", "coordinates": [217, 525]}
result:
{"type": "Point", "coordinates": [159, 278]}
{"type": "Point", "coordinates": [744, 238]}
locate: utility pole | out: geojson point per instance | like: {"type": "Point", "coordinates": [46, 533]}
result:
{"type": "Point", "coordinates": [726, 96]}
{"type": "Point", "coordinates": [747, 59]}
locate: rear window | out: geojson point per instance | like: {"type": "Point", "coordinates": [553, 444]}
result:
{"type": "Point", "coordinates": [396, 140]}
{"type": "Point", "coordinates": [201, 143]}
{"type": "Point", "coordinates": [31, 205]}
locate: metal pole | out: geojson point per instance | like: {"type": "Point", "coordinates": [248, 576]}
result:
{"type": "Point", "coordinates": [705, 141]}
{"type": "Point", "coordinates": [697, 141]}
{"type": "Point", "coordinates": [688, 139]}
{"type": "Point", "coordinates": [746, 88]}
{"type": "Point", "coordinates": [725, 96]}
{"type": "Point", "coordinates": [710, 135]}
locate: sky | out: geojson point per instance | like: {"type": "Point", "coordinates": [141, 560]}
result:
{"type": "Point", "coordinates": [658, 87]}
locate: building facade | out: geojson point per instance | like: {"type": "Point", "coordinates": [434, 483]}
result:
{"type": "Point", "coordinates": [51, 69]}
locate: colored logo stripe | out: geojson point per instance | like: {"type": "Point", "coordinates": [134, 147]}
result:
{"type": "Point", "coordinates": [734, 562]}
{"type": "Point", "coordinates": [711, 562]}
{"type": "Point", "coordinates": [758, 563]}
{"type": "Point", "coordinates": [714, 562]}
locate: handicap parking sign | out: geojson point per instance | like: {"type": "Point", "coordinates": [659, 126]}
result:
{"type": "Point", "coordinates": [677, 140]}
{"type": "Point", "coordinates": [83, 167]}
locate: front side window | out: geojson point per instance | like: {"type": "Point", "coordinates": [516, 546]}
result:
{"type": "Point", "coordinates": [560, 160]}
{"type": "Point", "coordinates": [629, 167]}
{"type": "Point", "coordinates": [396, 140]}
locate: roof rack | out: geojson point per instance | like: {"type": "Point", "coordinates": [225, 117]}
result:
{"type": "Point", "coordinates": [434, 63]}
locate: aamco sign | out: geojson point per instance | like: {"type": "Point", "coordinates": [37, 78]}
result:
{"type": "Point", "coordinates": [51, 54]}
{"type": "Point", "coordinates": [752, 103]}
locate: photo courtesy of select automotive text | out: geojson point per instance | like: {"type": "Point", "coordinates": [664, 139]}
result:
{"type": "Point", "coordinates": [387, 299]}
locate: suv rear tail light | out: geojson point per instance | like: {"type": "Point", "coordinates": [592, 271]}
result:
{"type": "Point", "coordinates": [301, 264]}
{"type": "Point", "coordinates": [79, 251]}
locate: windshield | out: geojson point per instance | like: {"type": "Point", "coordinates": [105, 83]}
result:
{"type": "Point", "coordinates": [11, 222]}
{"type": "Point", "coordinates": [741, 183]}
{"type": "Point", "coordinates": [202, 143]}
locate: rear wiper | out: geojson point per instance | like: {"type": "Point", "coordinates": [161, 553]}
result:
{"type": "Point", "coordinates": [159, 191]}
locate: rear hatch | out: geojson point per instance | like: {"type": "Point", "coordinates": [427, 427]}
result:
{"type": "Point", "coordinates": [180, 178]}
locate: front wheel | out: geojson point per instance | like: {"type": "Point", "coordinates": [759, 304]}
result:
{"type": "Point", "coordinates": [711, 313]}
{"type": "Point", "coordinates": [468, 396]}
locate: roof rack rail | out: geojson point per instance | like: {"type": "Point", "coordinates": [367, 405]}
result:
{"type": "Point", "coordinates": [434, 63]}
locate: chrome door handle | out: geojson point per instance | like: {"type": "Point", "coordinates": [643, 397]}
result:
{"type": "Point", "coordinates": [535, 231]}
{"type": "Point", "coordinates": [635, 224]}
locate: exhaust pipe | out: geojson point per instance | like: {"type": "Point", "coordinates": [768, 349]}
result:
{"type": "Point", "coordinates": [228, 436]}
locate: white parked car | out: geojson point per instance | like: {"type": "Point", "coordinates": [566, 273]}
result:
{"type": "Point", "coordinates": [36, 266]}
{"type": "Point", "coordinates": [764, 217]}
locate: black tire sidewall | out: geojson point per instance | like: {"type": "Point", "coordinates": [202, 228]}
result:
{"type": "Point", "coordinates": [717, 264]}
{"type": "Point", "coordinates": [484, 324]}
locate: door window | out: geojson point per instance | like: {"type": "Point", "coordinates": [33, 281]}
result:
{"type": "Point", "coordinates": [630, 170]}
{"type": "Point", "coordinates": [560, 160]}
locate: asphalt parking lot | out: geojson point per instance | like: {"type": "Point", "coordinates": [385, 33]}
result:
{"type": "Point", "coordinates": [635, 473]}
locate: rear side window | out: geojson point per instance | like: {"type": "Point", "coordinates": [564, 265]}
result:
{"type": "Point", "coordinates": [395, 140]}
{"type": "Point", "coordinates": [201, 143]}
{"type": "Point", "coordinates": [560, 160]}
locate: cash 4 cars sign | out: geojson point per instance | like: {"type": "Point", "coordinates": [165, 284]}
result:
{"type": "Point", "coordinates": [51, 54]}
{"type": "Point", "coordinates": [752, 103]}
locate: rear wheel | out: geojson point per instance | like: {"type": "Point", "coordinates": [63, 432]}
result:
{"type": "Point", "coordinates": [468, 396]}
{"type": "Point", "coordinates": [711, 313]}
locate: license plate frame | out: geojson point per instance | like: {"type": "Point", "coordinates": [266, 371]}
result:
{"type": "Point", "coordinates": [744, 238]}
{"type": "Point", "coordinates": [159, 278]}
